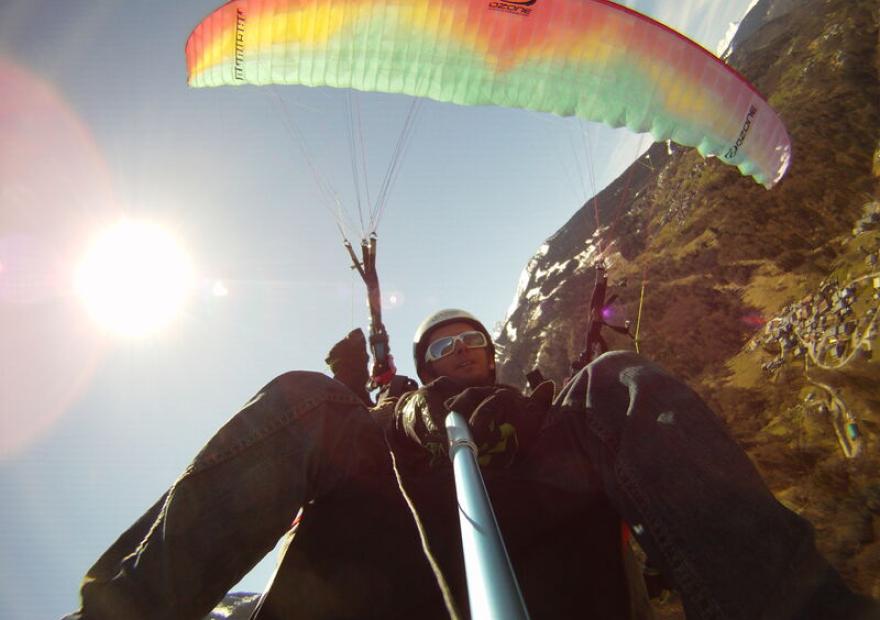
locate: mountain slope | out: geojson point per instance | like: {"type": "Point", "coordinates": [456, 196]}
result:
{"type": "Point", "coordinates": [766, 302]}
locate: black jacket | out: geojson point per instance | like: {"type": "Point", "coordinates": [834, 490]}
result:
{"type": "Point", "coordinates": [358, 553]}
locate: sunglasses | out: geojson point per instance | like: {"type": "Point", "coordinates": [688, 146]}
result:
{"type": "Point", "coordinates": [442, 347]}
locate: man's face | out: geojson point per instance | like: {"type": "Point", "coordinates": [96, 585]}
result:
{"type": "Point", "coordinates": [469, 367]}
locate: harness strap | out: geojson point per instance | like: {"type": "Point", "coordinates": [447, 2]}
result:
{"type": "Point", "coordinates": [442, 584]}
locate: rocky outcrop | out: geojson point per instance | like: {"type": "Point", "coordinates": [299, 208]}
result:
{"type": "Point", "coordinates": [765, 301]}
{"type": "Point", "coordinates": [235, 606]}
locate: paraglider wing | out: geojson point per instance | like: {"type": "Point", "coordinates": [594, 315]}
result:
{"type": "Point", "coordinates": [588, 58]}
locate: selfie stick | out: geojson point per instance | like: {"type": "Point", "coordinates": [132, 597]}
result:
{"type": "Point", "coordinates": [492, 588]}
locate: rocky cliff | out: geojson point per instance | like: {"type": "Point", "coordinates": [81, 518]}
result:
{"type": "Point", "coordinates": [766, 302]}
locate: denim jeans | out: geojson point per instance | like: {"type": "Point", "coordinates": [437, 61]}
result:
{"type": "Point", "coordinates": [301, 439]}
{"type": "Point", "coordinates": [663, 460]}
{"type": "Point", "coordinates": [694, 500]}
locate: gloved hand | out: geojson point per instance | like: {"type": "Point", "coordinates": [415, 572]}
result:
{"type": "Point", "coordinates": [419, 424]}
{"type": "Point", "coordinates": [348, 361]}
{"type": "Point", "coordinates": [504, 423]}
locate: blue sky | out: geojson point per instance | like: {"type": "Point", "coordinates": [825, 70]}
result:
{"type": "Point", "coordinates": [94, 426]}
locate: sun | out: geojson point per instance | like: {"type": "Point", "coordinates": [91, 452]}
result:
{"type": "Point", "coordinates": [134, 279]}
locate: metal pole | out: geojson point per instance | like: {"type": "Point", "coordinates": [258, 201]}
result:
{"type": "Point", "coordinates": [492, 588]}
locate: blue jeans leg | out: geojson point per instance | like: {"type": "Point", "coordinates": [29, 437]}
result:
{"type": "Point", "coordinates": [290, 444]}
{"type": "Point", "coordinates": [692, 497]}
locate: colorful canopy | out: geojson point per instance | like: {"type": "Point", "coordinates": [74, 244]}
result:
{"type": "Point", "coordinates": [590, 58]}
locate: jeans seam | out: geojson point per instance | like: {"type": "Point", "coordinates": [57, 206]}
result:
{"type": "Point", "coordinates": [272, 426]}
{"type": "Point", "coordinates": [661, 533]}
{"type": "Point", "coordinates": [660, 530]}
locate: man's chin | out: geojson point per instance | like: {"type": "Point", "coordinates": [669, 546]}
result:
{"type": "Point", "coordinates": [475, 380]}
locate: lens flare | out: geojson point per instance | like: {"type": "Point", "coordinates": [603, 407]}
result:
{"type": "Point", "coordinates": [219, 289]}
{"type": "Point", "coordinates": [53, 186]}
{"type": "Point", "coordinates": [753, 320]}
{"type": "Point", "coordinates": [393, 299]}
{"type": "Point", "coordinates": [135, 278]}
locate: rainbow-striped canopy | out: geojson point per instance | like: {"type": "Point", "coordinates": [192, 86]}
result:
{"type": "Point", "coordinates": [590, 58]}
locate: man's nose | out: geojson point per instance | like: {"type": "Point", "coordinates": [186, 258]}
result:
{"type": "Point", "coordinates": [459, 346]}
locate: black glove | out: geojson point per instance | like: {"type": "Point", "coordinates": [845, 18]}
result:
{"type": "Point", "coordinates": [503, 421]}
{"type": "Point", "coordinates": [348, 361]}
{"type": "Point", "coordinates": [419, 424]}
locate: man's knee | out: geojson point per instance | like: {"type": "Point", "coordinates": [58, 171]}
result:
{"type": "Point", "coordinates": [297, 385]}
{"type": "Point", "coordinates": [603, 387]}
{"type": "Point", "coordinates": [621, 391]}
{"type": "Point", "coordinates": [301, 402]}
